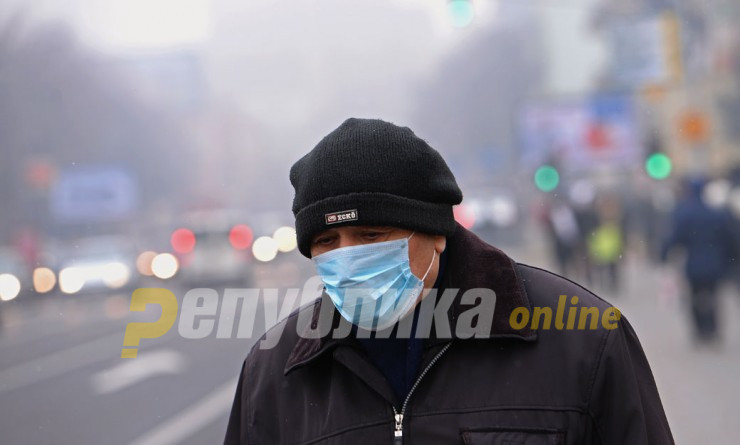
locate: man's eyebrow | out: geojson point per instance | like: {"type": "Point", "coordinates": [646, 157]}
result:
{"type": "Point", "coordinates": [324, 233]}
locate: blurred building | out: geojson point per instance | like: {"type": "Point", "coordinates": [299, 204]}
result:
{"type": "Point", "coordinates": [682, 61]}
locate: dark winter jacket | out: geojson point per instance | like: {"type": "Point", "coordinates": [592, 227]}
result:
{"type": "Point", "coordinates": [707, 236]}
{"type": "Point", "coordinates": [515, 386]}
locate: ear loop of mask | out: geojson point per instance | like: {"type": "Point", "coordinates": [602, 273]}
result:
{"type": "Point", "coordinates": [434, 255]}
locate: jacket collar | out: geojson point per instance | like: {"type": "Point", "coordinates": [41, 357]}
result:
{"type": "Point", "coordinates": [471, 264]}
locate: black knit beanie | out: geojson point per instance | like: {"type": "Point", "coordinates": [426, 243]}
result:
{"type": "Point", "coordinates": [371, 172]}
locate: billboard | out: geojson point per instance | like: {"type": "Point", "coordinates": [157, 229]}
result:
{"type": "Point", "coordinates": [581, 133]}
{"type": "Point", "coordinates": [89, 194]}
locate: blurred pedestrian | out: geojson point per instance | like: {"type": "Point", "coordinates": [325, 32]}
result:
{"type": "Point", "coordinates": [606, 243]}
{"type": "Point", "coordinates": [564, 234]}
{"type": "Point", "coordinates": [374, 211]}
{"type": "Point", "coordinates": [708, 238]}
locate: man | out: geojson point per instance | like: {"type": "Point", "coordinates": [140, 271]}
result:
{"type": "Point", "coordinates": [373, 206]}
{"type": "Point", "coordinates": [707, 236]}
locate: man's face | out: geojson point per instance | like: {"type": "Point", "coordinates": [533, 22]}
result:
{"type": "Point", "coordinates": [421, 246]}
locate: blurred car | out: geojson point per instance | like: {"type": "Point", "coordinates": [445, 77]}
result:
{"type": "Point", "coordinates": [494, 215]}
{"type": "Point", "coordinates": [96, 263]}
{"type": "Point", "coordinates": [213, 249]}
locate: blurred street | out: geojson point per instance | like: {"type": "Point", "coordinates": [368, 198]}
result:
{"type": "Point", "coordinates": [62, 379]}
{"type": "Point", "coordinates": [55, 355]}
{"type": "Point", "coordinates": [150, 143]}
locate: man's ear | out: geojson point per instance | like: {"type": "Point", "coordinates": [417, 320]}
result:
{"type": "Point", "coordinates": [440, 242]}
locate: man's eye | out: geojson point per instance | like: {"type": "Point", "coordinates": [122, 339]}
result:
{"type": "Point", "coordinates": [323, 241]}
{"type": "Point", "coordinates": [371, 235]}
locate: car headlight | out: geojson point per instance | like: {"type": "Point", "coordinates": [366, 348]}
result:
{"type": "Point", "coordinates": [10, 286]}
{"type": "Point", "coordinates": [43, 279]}
{"type": "Point", "coordinates": [265, 249]}
{"type": "Point", "coordinates": [115, 275]}
{"type": "Point", "coordinates": [285, 237]}
{"type": "Point", "coordinates": [164, 266]}
{"type": "Point", "coordinates": [71, 280]}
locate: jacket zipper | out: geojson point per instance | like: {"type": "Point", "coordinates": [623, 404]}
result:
{"type": "Point", "coordinates": [398, 432]}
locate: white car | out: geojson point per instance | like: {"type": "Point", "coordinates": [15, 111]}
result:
{"type": "Point", "coordinates": [213, 248]}
{"type": "Point", "coordinates": [96, 263]}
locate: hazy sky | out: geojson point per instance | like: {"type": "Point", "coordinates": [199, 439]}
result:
{"type": "Point", "coordinates": [405, 37]}
{"type": "Point", "coordinates": [280, 56]}
{"type": "Point", "coordinates": [150, 24]}
{"type": "Point", "coordinates": [295, 69]}
{"type": "Point", "coordinates": [307, 64]}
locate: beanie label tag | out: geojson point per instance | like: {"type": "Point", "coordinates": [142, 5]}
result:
{"type": "Point", "coordinates": [339, 217]}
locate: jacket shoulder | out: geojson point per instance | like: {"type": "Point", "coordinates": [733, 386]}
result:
{"type": "Point", "coordinates": [275, 346]}
{"type": "Point", "coordinates": [544, 288]}
{"type": "Point", "coordinates": [571, 321]}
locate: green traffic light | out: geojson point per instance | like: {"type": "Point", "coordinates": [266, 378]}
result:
{"type": "Point", "coordinates": [546, 178]}
{"type": "Point", "coordinates": [461, 13]}
{"type": "Point", "coordinates": [658, 166]}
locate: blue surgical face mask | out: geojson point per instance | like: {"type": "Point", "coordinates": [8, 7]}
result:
{"type": "Point", "coordinates": [371, 285]}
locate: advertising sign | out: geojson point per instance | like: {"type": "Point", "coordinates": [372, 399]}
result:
{"type": "Point", "coordinates": [580, 133]}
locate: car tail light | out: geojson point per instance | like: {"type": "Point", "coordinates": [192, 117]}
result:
{"type": "Point", "coordinates": [240, 237]}
{"type": "Point", "coordinates": [183, 240]}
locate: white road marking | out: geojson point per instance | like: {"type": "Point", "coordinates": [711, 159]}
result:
{"type": "Point", "coordinates": [63, 361]}
{"type": "Point", "coordinates": [133, 371]}
{"type": "Point", "coordinates": [191, 420]}
{"type": "Point", "coordinates": [60, 362]}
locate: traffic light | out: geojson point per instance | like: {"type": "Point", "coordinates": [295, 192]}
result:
{"type": "Point", "coordinates": [546, 178]}
{"type": "Point", "coordinates": [658, 166]}
{"type": "Point", "coordinates": [461, 13]}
